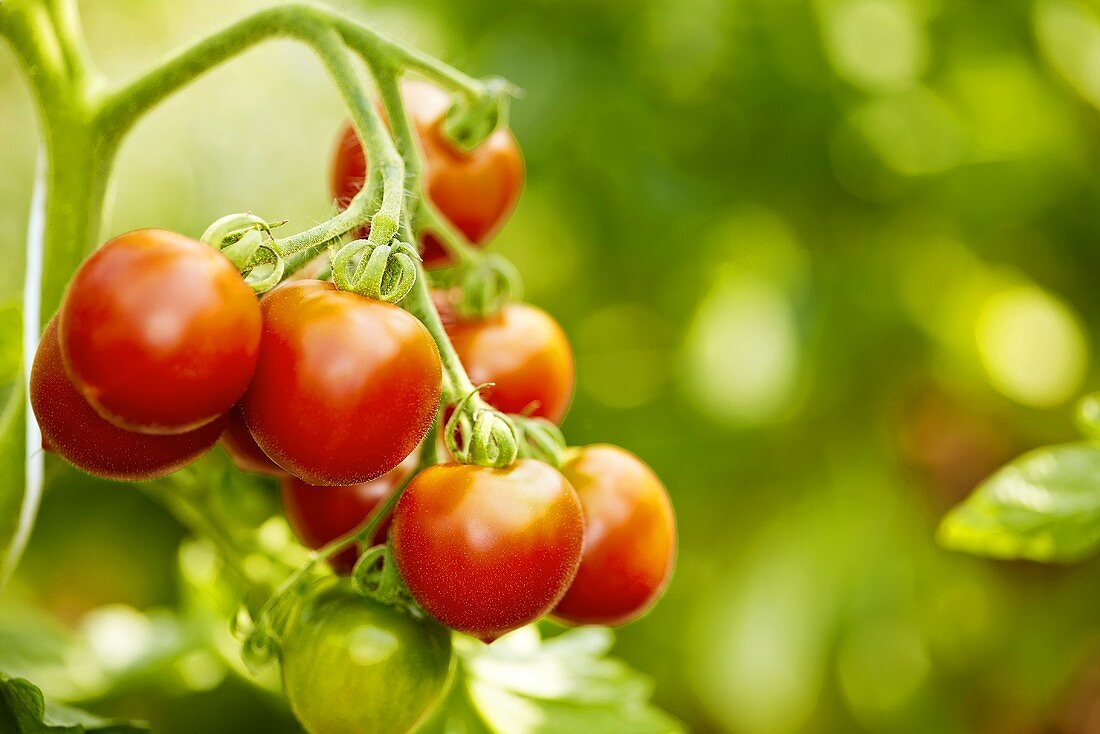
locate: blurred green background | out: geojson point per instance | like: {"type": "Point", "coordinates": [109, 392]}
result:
{"type": "Point", "coordinates": [825, 265]}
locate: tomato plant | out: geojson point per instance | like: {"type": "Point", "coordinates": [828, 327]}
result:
{"type": "Point", "coordinates": [344, 386]}
{"type": "Point", "coordinates": [333, 410]}
{"type": "Point", "coordinates": [72, 429]}
{"type": "Point", "coordinates": [488, 550]}
{"type": "Point", "coordinates": [352, 664]}
{"type": "Point", "coordinates": [629, 537]}
{"type": "Point", "coordinates": [474, 189]}
{"type": "Point", "coordinates": [159, 332]}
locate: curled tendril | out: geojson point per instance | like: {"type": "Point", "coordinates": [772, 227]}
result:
{"type": "Point", "coordinates": [478, 434]}
{"type": "Point", "coordinates": [259, 648]}
{"type": "Point", "coordinates": [383, 272]}
{"type": "Point", "coordinates": [488, 283]}
{"type": "Point", "coordinates": [365, 573]}
{"type": "Point", "coordinates": [540, 439]}
{"type": "Point", "coordinates": [248, 242]}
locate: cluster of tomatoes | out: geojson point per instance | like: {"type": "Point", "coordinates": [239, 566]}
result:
{"type": "Point", "coordinates": [160, 349]}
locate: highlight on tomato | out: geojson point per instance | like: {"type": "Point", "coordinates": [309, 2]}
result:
{"type": "Point", "coordinates": [73, 430]}
{"type": "Point", "coordinates": [486, 551]}
{"type": "Point", "coordinates": [320, 515]}
{"type": "Point", "coordinates": [159, 332]}
{"type": "Point", "coordinates": [524, 353]}
{"type": "Point", "coordinates": [352, 664]}
{"type": "Point", "coordinates": [475, 190]}
{"type": "Point", "coordinates": [345, 387]}
{"type": "Point", "coordinates": [629, 537]}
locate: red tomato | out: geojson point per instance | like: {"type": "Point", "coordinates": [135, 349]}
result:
{"type": "Point", "coordinates": [159, 332]}
{"type": "Point", "coordinates": [320, 515]}
{"type": "Point", "coordinates": [485, 551]}
{"type": "Point", "coordinates": [242, 449]}
{"type": "Point", "coordinates": [524, 352]}
{"type": "Point", "coordinates": [74, 431]}
{"type": "Point", "coordinates": [345, 386]}
{"type": "Point", "coordinates": [474, 190]}
{"type": "Point", "coordinates": [629, 537]}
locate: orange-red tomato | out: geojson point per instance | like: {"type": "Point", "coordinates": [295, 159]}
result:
{"type": "Point", "coordinates": [629, 537]}
{"type": "Point", "coordinates": [159, 332]}
{"type": "Point", "coordinates": [524, 353]}
{"type": "Point", "coordinates": [242, 449]}
{"type": "Point", "coordinates": [485, 551]}
{"type": "Point", "coordinates": [345, 387]}
{"type": "Point", "coordinates": [475, 190]}
{"type": "Point", "coordinates": [74, 431]}
{"type": "Point", "coordinates": [320, 515]}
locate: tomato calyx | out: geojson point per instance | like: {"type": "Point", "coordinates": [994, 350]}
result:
{"type": "Point", "coordinates": [376, 576]}
{"type": "Point", "coordinates": [541, 439]}
{"type": "Point", "coordinates": [384, 272]}
{"type": "Point", "coordinates": [472, 119]}
{"type": "Point", "coordinates": [488, 283]}
{"type": "Point", "coordinates": [248, 242]}
{"type": "Point", "coordinates": [479, 434]}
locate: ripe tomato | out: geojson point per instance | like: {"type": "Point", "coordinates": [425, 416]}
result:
{"type": "Point", "coordinates": [242, 449]}
{"type": "Point", "coordinates": [352, 664]}
{"type": "Point", "coordinates": [629, 537]}
{"type": "Point", "coordinates": [320, 515]}
{"type": "Point", "coordinates": [485, 551]}
{"type": "Point", "coordinates": [345, 387]}
{"type": "Point", "coordinates": [159, 332]}
{"type": "Point", "coordinates": [75, 432]}
{"type": "Point", "coordinates": [524, 352]}
{"type": "Point", "coordinates": [475, 190]}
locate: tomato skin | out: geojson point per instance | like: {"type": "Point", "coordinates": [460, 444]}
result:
{"type": "Point", "coordinates": [320, 515]}
{"type": "Point", "coordinates": [242, 449]}
{"type": "Point", "coordinates": [72, 429]}
{"type": "Point", "coordinates": [159, 332]}
{"type": "Point", "coordinates": [475, 190]}
{"type": "Point", "coordinates": [484, 550]}
{"type": "Point", "coordinates": [629, 537]}
{"type": "Point", "coordinates": [345, 387]}
{"type": "Point", "coordinates": [525, 353]}
{"type": "Point", "coordinates": [352, 664]}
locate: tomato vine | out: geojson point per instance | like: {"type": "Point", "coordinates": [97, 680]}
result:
{"type": "Point", "coordinates": [402, 386]}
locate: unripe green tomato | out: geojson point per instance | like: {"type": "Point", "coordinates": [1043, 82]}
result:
{"type": "Point", "coordinates": [351, 664]}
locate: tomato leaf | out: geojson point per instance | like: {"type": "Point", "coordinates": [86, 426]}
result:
{"type": "Point", "coordinates": [523, 683]}
{"type": "Point", "coordinates": [23, 710]}
{"type": "Point", "coordinates": [1044, 506]}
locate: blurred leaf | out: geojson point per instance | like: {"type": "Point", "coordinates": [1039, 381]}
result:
{"type": "Point", "coordinates": [13, 414]}
{"type": "Point", "coordinates": [525, 685]}
{"type": "Point", "coordinates": [1069, 35]}
{"type": "Point", "coordinates": [24, 711]}
{"type": "Point", "coordinates": [1044, 506]}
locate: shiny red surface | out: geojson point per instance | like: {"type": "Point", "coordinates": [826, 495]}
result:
{"type": "Point", "coordinates": [629, 537]}
{"type": "Point", "coordinates": [345, 387]}
{"type": "Point", "coordinates": [159, 332]}
{"type": "Point", "coordinates": [485, 551]}
{"type": "Point", "coordinates": [72, 429]}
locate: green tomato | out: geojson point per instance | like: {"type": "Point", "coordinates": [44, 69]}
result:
{"type": "Point", "coordinates": [352, 665]}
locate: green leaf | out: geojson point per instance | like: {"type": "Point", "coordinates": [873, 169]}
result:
{"type": "Point", "coordinates": [23, 710]}
{"type": "Point", "coordinates": [1044, 506]}
{"type": "Point", "coordinates": [523, 684]}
